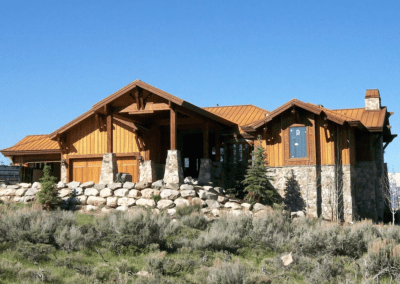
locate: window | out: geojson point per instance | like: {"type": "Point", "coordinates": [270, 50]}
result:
{"type": "Point", "coordinates": [298, 142]}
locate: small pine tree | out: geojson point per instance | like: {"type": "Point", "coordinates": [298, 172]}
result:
{"type": "Point", "coordinates": [293, 199]}
{"type": "Point", "coordinates": [48, 195]}
{"type": "Point", "coordinates": [258, 180]}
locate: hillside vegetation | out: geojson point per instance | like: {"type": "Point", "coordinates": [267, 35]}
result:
{"type": "Point", "coordinates": [67, 247]}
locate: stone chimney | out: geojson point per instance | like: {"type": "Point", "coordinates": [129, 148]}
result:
{"type": "Point", "coordinates": [372, 100]}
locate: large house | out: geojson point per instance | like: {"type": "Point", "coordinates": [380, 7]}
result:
{"type": "Point", "coordinates": [336, 155]}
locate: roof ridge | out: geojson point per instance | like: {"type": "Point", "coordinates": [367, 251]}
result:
{"type": "Point", "coordinates": [239, 106]}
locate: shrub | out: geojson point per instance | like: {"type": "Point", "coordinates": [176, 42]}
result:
{"type": "Point", "coordinates": [187, 210]}
{"type": "Point", "coordinates": [34, 252]}
{"type": "Point", "coordinates": [228, 273]}
{"type": "Point", "coordinates": [48, 195]}
{"type": "Point", "coordinates": [156, 198]}
{"type": "Point", "coordinates": [195, 221]}
{"type": "Point", "coordinates": [293, 199]}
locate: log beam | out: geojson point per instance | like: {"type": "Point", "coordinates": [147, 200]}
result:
{"type": "Point", "coordinates": [109, 133]}
{"type": "Point", "coordinates": [217, 144]}
{"type": "Point", "coordinates": [206, 136]}
{"type": "Point", "coordinates": [173, 128]}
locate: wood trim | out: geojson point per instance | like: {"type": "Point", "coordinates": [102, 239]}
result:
{"type": "Point", "coordinates": [24, 153]}
{"type": "Point", "coordinates": [97, 156]}
{"type": "Point", "coordinates": [217, 144]}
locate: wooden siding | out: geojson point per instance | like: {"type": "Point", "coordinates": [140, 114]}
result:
{"type": "Point", "coordinates": [128, 165]}
{"type": "Point", "coordinates": [272, 142]}
{"type": "Point", "coordinates": [325, 145]}
{"type": "Point", "coordinates": [87, 139]}
{"type": "Point", "coordinates": [346, 145]}
{"type": "Point", "coordinates": [84, 170]}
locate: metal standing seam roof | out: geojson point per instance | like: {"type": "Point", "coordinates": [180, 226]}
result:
{"type": "Point", "coordinates": [32, 143]}
{"type": "Point", "coordinates": [371, 119]}
{"type": "Point", "coordinates": [239, 114]}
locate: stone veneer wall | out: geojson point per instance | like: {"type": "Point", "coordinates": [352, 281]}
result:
{"type": "Point", "coordinates": [317, 187]}
{"type": "Point", "coordinates": [147, 171]}
{"type": "Point", "coordinates": [63, 172]}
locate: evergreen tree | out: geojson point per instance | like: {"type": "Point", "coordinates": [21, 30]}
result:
{"type": "Point", "coordinates": [48, 195]}
{"type": "Point", "coordinates": [257, 179]}
{"type": "Point", "coordinates": [293, 199]}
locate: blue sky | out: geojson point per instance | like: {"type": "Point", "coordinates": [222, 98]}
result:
{"type": "Point", "coordinates": [58, 58]}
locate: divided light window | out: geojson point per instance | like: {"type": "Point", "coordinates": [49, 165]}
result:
{"type": "Point", "coordinates": [298, 142]}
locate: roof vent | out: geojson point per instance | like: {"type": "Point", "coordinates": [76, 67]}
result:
{"type": "Point", "coordinates": [320, 105]}
{"type": "Point", "coordinates": [372, 100]}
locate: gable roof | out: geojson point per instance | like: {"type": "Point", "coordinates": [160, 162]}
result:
{"type": "Point", "coordinates": [373, 120]}
{"type": "Point", "coordinates": [33, 144]}
{"type": "Point", "coordinates": [239, 114]}
{"type": "Point", "coordinates": [149, 88]}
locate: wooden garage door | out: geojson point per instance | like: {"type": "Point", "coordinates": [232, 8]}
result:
{"type": "Point", "coordinates": [128, 165]}
{"type": "Point", "coordinates": [84, 170]}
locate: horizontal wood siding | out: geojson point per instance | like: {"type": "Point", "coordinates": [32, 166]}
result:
{"type": "Point", "coordinates": [84, 170]}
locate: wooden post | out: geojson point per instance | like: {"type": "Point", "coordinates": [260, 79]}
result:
{"type": "Point", "coordinates": [217, 144]}
{"type": "Point", "coordinates": [174, 141]}
{"type": "Point", "coordinates": [206, 141]}
{"type": "Point", "coordinates": [109, 133]}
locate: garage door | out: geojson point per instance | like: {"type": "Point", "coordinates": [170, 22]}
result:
{"type": "Point", "coordinates": [128, 165]}
{"type": "Point", "coordinates": [84, 170]}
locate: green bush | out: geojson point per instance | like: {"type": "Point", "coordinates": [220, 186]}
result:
{"type": "Point", "coordinates": [187, 210]}
{"type": "Point", "coordinates": [195, 221]}
{"type": "Point", "coordinates": [48, 195]}
{"type": "Point", "coordinates": [34, 252]}
{"type": "Point", "coordinates": [228, 273]}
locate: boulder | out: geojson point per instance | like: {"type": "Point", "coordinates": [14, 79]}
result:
{"type": "Point", "coordinates": [188, 192]}
{"type": "Point", "coordinates": [197, 201]}
{"type": "Point", "coordinates": [258, 207]}
{"type": "Point", "coordinates": [122, 208]}
{"type": "Point", "coordinates": [115, 185]}
{"type": "Point", "coordinates": [61, 185]}
{"type": "Point", "coordinates": [222, 199]}
{"type": "Point", "coordinates": [134, 193]}
{"type": "Point", "coordinates": [8, 192]}
{"type": "Point", "coordinates": [87, 184]}
{"type": "Point", "coordinates": [122, 192]}
{"type": "Point", "coordinates": [188, 180]}
{"type": "Point", "coordinates": [91, 208]}
{"type": "Point", "coordinates": [149, 192]}
{"type": "Point", "coordinates": [91, 192]}
{"type": "Point", "coordinates": [4, 199]}
{"type": "Point", "coordinates": [106, 192]}
{"type": "Point", "coordinates": [144, 273]}
{"type": "Point", "coordinates": [64, 192]}
{"type": "Point", "coordinates": [205, 210]}
{"type": "Point", "coordinates": [212, 196]}
{"type": "Point", "coordinates": [112, 202]}
{"type": "Point", "coordinates": [202, 194]}
{"type": "Point", "coordinates": [36, 184]}
{"type": "Point", "coordinates": [21, 191]}
{"type": "Point", "coordinates": [208, 188]}
{"type": "Point", "coordinates": [73, 184]}
{"type": "Point", "coordinates": [298, 214]}
{"type": "Point", "coordinates": [246, 206]}
{"type": "Point", "coordinates": [171, 185]}
{"type": "Point", "coordinates": [25, 185]}
{"type": "Point", "coordinates": [29, 198]}
{"type": "Point", "coordinates": [219, 190]}
{"type": "Point", "coordinates": [155, 211]}
{"type": "Point", "coordinates": [233, 205]}
{"type": "Point", "coordinates": [81, 199]}
{"type": "Point", "coordinates": [31, 191]}
{"type": "Point", "coordinates": [100, 186]}
{"type": "Point", "coordinates": [158, 184]}
{"type": "Point", "coordinates": [142, 185]}
{"type": "Point", "coordinates": [15, 186]}
{"type": "Point", "coordinates": [165, 203]}
{"type": "Point", "coordinates": [181, 202]}
{"type": "Point", "coordinates": [169, 194]}
{"type": "Point", "coordinates": [129, 185]}
{"type": "Point", "coordinates": [213, 203]}
{"type": "Point", "coordinates": [96, 201]}
{"type": "Point", "coordinates": [287, 259]}
{"type": "Point", "coordinates": [107, 210]}
{"type": "Point", "coordinates": [171, 211]}
{"type": "Point", "coordinates": [17, 199]}
{"type": "Point", "coordinates": [126, 202]}
{"type": "Point", "coordinates": [215, 212]}
{"type": "Point", "coordinates": [187, 187]}
{"type": "Point", "coordinates": [78, 191]}
{"type": "Point", "coordinates": [145, 202]}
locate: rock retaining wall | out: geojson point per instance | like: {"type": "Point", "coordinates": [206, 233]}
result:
{"type": "Point", "coordinates": [122, 196]}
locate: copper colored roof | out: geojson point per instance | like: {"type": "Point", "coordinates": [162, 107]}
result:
{"type": "Point", "coordinates": [240, 114]}
{"type": "Point", "coordinates": [373, 120]}
{"type": "Point", "coordinates": [33, 144]}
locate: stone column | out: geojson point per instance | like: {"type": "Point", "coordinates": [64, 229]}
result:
{"type": "Point", "coordinates": [108, 168]}
{"type": "Point", "coordinates": [173, 168]}
{"type": "Point", "coordinates": [205, 171]}
{"type": "Point", "coordinates": [63, 173]}
{"type": "Point", "coordinates": [147, 172]}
